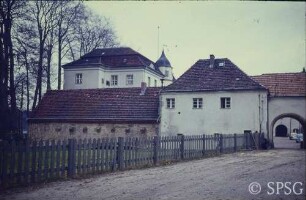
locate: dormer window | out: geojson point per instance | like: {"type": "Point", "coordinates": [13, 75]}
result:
{"type": "Point", "coordinates": [221, 64]}
{"type": "Point", "coordinates": [78, 78]}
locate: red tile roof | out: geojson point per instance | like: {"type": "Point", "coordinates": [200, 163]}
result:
{"type": "Point", "coordinates": [283, 84]}
{"type": "Point", "coordinates": [224, 75]}
{"type": "Point", "coordinates": [111, 104]}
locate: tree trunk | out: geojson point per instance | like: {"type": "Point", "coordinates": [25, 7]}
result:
{"type": "Point", "coordinates": [37, 94]}
{"type": "Point", "coordinates": [21, 95]}
{"type": "Point", "coordinates": [59, 73]}
{"type": "Point", "coordinates": [49, 57]}
{"type": "Point", "coordinates": [28, 89]}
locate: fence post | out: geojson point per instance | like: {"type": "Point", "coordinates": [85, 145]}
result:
{"type": "Point", "coordinates": [120, 151]}
{"type": "Point", "coordinates": [182, 146]}
{"type": "Point", "coordinates": [235, 142]}
{"type": "Point", "coordinates": [246, 140]}
{"type": "Point", "coordinates": [155, 149]}
{"type": "Point", "coordinates": [71, 158]}
{"type": "Point", "coordinates": [204, 146]}
{"type": "Point", "coordinates": [4, 164]}
{"type": "Point", "coordinates": [260, 140]}
{"type": "Point", "coordinates": [221, 143]}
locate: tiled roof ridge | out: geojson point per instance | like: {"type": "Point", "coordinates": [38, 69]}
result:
{"type": "Point", "coordinates": [279, 73]}
{"type": "Point", "coordinates": [200, 76]}
{"type": "Point", "coordinates": [100, 49]}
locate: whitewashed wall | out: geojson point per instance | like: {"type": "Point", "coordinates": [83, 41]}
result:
{"type": "Point", "coordinates": [290, 124]}
{"type": "Point", "coordinates": [285, 105]}
{"type": "Point", "coordinates": [243, 115]}
{"type": "Point", "coordinates": [92, 78]}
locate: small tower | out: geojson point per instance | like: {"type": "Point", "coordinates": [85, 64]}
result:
{"type": "Point", "coordinates": [164, 66]}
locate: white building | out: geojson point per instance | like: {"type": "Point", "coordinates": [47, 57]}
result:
{"type": "Point", "coordinates": [213, 96]}
{"type": "Point", "coordinates": [287, 102]}
{"type": "Point", "coordinates": [116, 68]}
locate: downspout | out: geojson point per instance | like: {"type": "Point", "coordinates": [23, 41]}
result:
{"type": "Point", "coordinates": [159, 112]}
{"type": "Point", "coordinates": [259, 113]}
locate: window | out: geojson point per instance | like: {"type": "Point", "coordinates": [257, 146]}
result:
{"type": "Point", "coordinates": [170, 103]}
{"type": "Point", "coordinates": [155, 83]}
{"type": "Point", "coordinates": [114, 79]}
{"type": "Point", "coordinates": [78, 78]}
{"type": "Point", "coordinates": [102, 81]}
{"type": "Point", "coordinates": [225, 102]}
{"type": "Point", "coordinates": [166, 73]}
{"type": "Point", "coordinates": [129, 79]}
{"type": "Point", "coordinates": [197, 103]}
{"type": "Point", "coordinates": [149, 81]}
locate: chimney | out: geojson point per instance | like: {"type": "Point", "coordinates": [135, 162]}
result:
{"type": "Point", "coordinates": [143, 88]}
{"type": "Point", "coordinates": [211, 60]}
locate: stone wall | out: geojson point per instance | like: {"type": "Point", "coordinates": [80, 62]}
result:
{"type": "Point", "coordinates": [60, 131]}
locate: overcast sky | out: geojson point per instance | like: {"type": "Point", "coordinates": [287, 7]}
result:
{"type": "Point", "coordinates": [259, 37]}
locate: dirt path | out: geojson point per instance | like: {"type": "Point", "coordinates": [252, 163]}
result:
{"type": "Point", "coordinates": [224, 177]}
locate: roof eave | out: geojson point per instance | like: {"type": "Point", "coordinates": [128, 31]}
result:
{"type": "Point", "coordinates": [93, 120]}
{"type": "Point", "coordinates": [210, 90]}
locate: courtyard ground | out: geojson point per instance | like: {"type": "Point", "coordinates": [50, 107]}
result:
{"type": "Point", "coordinates": [224, 177]}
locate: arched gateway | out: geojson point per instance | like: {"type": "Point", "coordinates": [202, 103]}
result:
{"type": "Point", "coordinates": [287, 98]}
{"type": "Point", "coordinates": [297, 117]}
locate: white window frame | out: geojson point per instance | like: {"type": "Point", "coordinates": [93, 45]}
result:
{"type": "Point", "coordinates": [155, 83]}
{"type": "Point", "coordinates": [149, 81]}
{"type": "Point", "coordinates": [197, 103]}
{"type": "Point", "coordinates": [170, 103]}
{"type": "Point", "coordinates": [78, 78]}
{"type": "Point", "coordinates": [114, 80]}
{"type": "Point", "coordinates": [225, 103]}
{"type": "Point", "coordinates": [129, 79]}
{"type": "Point", "coordinates": [166, 73]}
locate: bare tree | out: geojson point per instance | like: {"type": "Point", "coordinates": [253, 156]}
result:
{"type": "Point", "coordinates": [44, 15]}
{"type": "Point", "coordinates": [91, 31]}
{"type": "Point", "coordinates": [9, 10]}
{"type": "Point", "coordinates": [31, 33]}
{"type": "Point", "coordinates": [26, 54]}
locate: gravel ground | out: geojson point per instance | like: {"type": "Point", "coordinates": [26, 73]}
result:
{"type": "Point", "coordinates": [224, 177]}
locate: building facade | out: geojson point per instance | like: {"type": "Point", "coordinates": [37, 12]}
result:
{"type": "Point", "coordinates": [213, 96]}
{"type": "Point", "coordinates": [95, 113]}
{"type": "Point", "coordinates": [287, 102]}
{"type": "Point", "coordinates": [116, 68]}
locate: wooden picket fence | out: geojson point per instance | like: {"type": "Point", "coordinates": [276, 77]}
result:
{"type": "Point", "coordinates": [26, 162]}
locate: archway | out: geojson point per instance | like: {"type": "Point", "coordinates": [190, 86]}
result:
{"type": "Point", "coordinates": [300, 119]}
{"type": "Point", "coordinates": [281, 131]}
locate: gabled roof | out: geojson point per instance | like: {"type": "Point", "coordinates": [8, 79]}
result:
{"type": "Point", "coordinates": [99, 105]}
{"type": "Point", "coordinates": [284, 84]}
{"type": "Point", "coordinates": [163, 61]}
{"type": "Point", "coordinates": [202, 77]}
{"type": "Point", "coordinates": [113, 58]}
